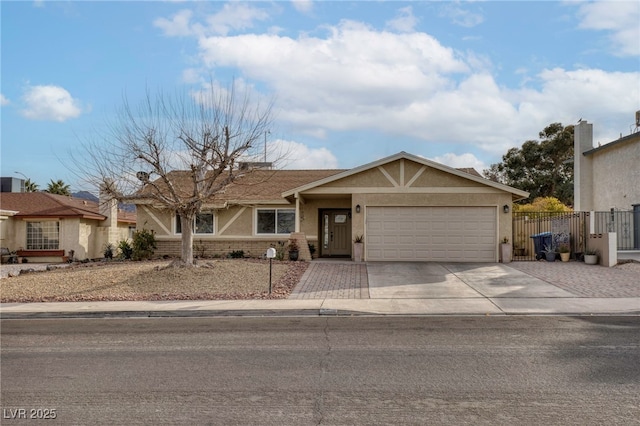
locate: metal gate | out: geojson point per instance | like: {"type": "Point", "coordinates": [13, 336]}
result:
{"type": "Point", "coordinates": [554, 228]}
{"type": "Point", "coordinates": [574, 228]}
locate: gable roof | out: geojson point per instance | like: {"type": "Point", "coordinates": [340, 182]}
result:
{"type": "Point", "coordinates": [44, 204]}
{"type": "Point", "coordinates": [634, 137]}
{"type": "Point", "coordinates": [475, 177]}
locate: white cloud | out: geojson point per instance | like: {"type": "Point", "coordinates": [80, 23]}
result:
{"type": "Point", "coordinates": [50, 103]}
{"type": "Point", "coordinates": [461, 161]}
{"type": "Point", "coordinates": [192, 76]}
{"type": "Point", "coordinates": [4, 101]}
{"type": "Point", "coordinates": [354, 64]}
{"type": "Point", "coordinates": [404, 22]}
{"type": "Point", "coordinates": [304, 6]}
{"type": "Point", "coordinates": [409, 85]}
{"type": "Point", "coordinates": [295, 155]}
{"type": "Point", "coordinates": [460, 16]}
{"type": "Point", "coordinates": [179, 25]}
{"type": "Point", "coordinates": [619, 18]}
{"type": "Point", "coordinates": [232, 16]}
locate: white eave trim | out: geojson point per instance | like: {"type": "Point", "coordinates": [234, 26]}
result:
{"type": "Point", "coordinates": [518, 194]}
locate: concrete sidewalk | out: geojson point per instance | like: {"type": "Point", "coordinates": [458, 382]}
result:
{"type": "Point", "coordinates": [384, 288]}
{"type": "Point", "coordinates": [347, 288]}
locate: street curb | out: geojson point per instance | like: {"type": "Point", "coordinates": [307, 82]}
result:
{"type": "Point", "coordinates": [282, 313]}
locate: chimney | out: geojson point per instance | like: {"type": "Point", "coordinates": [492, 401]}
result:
{"type": "Point", "coordinates": [108, 207]}
{"type": "Point", "coordinates": [582, 167]}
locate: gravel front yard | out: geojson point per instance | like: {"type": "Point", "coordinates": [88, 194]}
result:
{"type": "Point", "coordinates": [211, 280]}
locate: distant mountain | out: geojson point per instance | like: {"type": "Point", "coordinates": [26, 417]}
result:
{"type": "Point", "coordinates": [85, 195]}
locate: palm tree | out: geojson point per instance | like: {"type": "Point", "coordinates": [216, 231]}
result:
{"type": "Point", "coordinates": [58, 187]}
{"type": "Point", "coordinates": [30, 186]}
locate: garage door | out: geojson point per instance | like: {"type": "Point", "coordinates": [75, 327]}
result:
{"type": "Point", "coordinates": [450, 234]}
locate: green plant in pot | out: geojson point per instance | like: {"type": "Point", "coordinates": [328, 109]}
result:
{"type": "Point", "coordinates": [549, 253]}
{"type": "Point", "coordinates": [294, 250]}
{"type": "Point", "coordinates": [565, 252]}
{"type": "Point", "coordinates": [591, 256]}
{"type": "Point", "coordinates": [358, 244]}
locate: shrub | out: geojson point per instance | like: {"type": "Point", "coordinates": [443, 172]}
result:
{"type": "Point", "coordinates": [108, 251]}
{"type": "Point", "coordinates": [236, 254]}
{"type": "Point", "coordinates": [144, 243]}
{"type": "Point", "coordinates": [280, 250]}
{"type": "Point", "coordinates": [200, 249]}
{"type": "Point", "coordinates": [126, 251]}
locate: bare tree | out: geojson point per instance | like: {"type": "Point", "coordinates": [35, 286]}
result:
{"type": "Point", "coordinates": [177, 152]}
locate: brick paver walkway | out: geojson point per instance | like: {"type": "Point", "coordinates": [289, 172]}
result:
{"type": "Point", "coordinates": [586, 280]}
{"type": "Point", "coordinates": [333, 280]}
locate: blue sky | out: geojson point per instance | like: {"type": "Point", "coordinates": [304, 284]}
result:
{"type": "Point", "coordinates": [456, 82]}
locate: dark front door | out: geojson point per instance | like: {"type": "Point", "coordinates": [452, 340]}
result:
{"type": "Point", "coordinates": [335, 233]}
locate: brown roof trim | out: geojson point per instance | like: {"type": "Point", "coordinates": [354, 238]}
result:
{"type": "Point", "coordinates": [628, 138]}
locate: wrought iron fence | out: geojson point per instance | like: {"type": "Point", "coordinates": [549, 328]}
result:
{"type": "Point", "coordinates": [620, 222]}
{"type": "Point", "coordinates": [533, 230]}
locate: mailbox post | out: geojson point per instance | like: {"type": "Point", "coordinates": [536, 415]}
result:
{"type": "Point", "coordinates": [271, 253]}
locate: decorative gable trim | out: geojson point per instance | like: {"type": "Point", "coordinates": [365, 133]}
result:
{"type": "Point", "coordinates": [516, 193]}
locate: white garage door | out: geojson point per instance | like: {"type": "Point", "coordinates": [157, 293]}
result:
{"type": "Point", "coordinates": [450, 234]}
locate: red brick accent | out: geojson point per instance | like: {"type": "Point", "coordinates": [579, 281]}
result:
{"type": "Point", "coordinates": [217, 248]}
{"type": "Point", "coordinates": [40, 253]}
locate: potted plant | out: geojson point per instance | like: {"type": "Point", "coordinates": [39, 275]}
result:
{"type": "Point", "coordinates": [294, 250]}
{"type": "Point", "coordinates": [358, 248]}
{"type": "Point", "coordinates": [565, 252]}
{"type": "Point", "coordinates": [505, 250]}
{"type": "Point", "coordinates": [549, 253]}
{"type": "Point", "coordinates": [591, 257]}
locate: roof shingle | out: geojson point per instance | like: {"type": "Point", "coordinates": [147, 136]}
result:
{"type": "Point", "coordinates": [44, 204]}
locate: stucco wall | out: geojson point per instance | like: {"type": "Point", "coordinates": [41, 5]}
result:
{"type": "Point", "coordinates": [7, 233]}
{"type": "Point", "coordinates": [83, 236]}
{"type": "Point", "coordinates": [401, 173]}
{"type": "Point", "coordinates": [616, 176]}
{"type": "Point", "coordinates": [309, 223]}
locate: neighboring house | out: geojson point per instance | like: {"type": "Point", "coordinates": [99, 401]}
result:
{"type": "Point", "coordinates": [607, 182]}
{"type": "Point", "coordinates": [406, 207]}
{"type": "Point", "coordinates": [608, 176]}
{"type": "Point", "coordinates": [45, 227]}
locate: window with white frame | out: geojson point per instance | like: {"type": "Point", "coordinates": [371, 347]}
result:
{"type": "Point", "coordinates": [275, 221]}
{"type": "Point", "coordinates": [43, 235]}
{"type": "Point", "coordinates": [202, 224]}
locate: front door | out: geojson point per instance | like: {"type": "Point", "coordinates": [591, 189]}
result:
{"type": "Point", "coordinates": [335, 233]}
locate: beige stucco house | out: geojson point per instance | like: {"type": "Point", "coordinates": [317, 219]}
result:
{"type": "Point", "coordinates": [407, 208]}
{"type": "Point", "coordinates": [607, 176]}
{"type": "Point", "coordinates": [43, 227]}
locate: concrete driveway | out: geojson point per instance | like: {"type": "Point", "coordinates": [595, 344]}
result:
{"type": "Point", "coordinates": [468, 288]}
{"type": "Point", "coordinates": [414, 280]}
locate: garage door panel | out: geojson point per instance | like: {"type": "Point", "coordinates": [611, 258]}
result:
{"type": "Point", "coordinates": [465, 234]}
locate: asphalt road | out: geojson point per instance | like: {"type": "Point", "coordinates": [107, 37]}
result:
{"type": "Point", "coordinates": [322, 370]}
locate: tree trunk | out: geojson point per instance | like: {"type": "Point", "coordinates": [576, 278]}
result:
{"type": "Point", "coordinates": [186, 221]}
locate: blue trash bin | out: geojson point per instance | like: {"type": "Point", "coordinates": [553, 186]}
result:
{"type": "Point", "coordinates": [540, 241]}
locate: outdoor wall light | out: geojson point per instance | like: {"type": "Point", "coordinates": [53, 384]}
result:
{"type": "Point", "coordinates": [358, 208]}
{"type": "Point", "coordinates": [505, 208]}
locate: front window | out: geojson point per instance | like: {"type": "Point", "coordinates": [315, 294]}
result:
{"type": "Point", "coordinates": [43, 235]}
{"type": "Point", "coordinates": [202, 224]}
{"type": "Point", "coordinates": [276, 221]}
